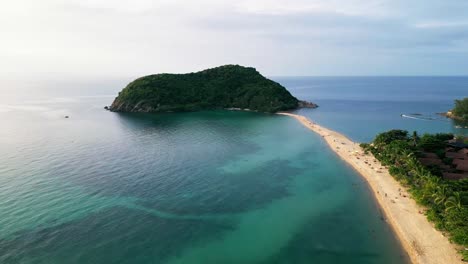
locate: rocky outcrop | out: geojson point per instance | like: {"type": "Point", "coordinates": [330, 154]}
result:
{"type": "Point", "coordinates": [140, 107]}
{"type": "Point", "coordinates": [306, 104]}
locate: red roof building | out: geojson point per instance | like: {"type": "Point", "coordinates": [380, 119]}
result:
{"type": "Point", "coordinates": [455, 155]}
{"type": "Point", "coordinates": [459, 161]}
{"type": "Point", "coordinates": [431, 161]}
{"type": "Point", "coordinates": [454, 176]}
{"type": "Point", "coordinates": [463, 151]}
{"type": "Point", "coordinates": [463, 167]}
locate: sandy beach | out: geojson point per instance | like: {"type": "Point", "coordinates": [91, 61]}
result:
{"type": "Point", "coordinates": [423, 243]}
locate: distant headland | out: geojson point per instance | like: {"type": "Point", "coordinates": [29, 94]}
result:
{"type": "Point", "coordinates": [460, 111]}
{"type": "Point", "coordinates": [225, 87]}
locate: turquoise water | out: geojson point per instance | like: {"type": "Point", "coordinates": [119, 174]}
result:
{"type": "Point", "coordinates": [210, 187]}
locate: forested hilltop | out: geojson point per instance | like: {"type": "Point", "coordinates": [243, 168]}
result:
{"type": "Point", "coordinates": [229, 86]}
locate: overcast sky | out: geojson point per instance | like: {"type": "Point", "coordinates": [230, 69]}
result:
{"type": "Point", "coordinates": [116, 38]}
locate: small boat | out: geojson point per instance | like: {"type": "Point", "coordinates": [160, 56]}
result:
{"type": "Point", "coordinates": [419, 118]}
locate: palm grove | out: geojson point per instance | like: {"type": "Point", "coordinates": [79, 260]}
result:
{"type": "Point", "coordinates": [446, 201]}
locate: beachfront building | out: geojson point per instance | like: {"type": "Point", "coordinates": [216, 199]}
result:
{"type": "Point", "coordinates": [453, 164]}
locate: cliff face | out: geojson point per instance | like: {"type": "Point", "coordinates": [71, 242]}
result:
{"type": "Point", "coordinates": [122, 106]}
{"type": "Point", "coordinates": [229, 86]}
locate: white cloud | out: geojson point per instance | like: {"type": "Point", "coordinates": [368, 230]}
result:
{"type": "Point", "coordinates": [280, 37]}
{"type": "Point", "coordinates": [441, 24]}
{"type": "Point", "coordinates": [286, 7]}
{"type": "Point", "coordinates": [134, 6]}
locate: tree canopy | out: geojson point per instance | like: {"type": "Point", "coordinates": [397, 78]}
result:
{"type": "Point", "coordinates": [461, 109]}
{"type": "Point", "coordinates": [392, 135]}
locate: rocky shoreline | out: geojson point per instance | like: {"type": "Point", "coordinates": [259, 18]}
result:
{"type": "Point", "coordinates": [117, 107]}
{"type": "Point", "coordinates": [458, 121]}
{"type": "Point", "coordinates": [306, 104]}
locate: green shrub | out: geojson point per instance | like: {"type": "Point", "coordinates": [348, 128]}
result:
{"type": "Point", "coordinates": [461, 108]}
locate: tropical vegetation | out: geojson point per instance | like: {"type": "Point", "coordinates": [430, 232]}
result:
{"type": "Point", "coordinates": [461, 109]}
{"type": "Point", "coordinates": [229, 86]}
{"type": "Point", "coordinates": [446, 201]}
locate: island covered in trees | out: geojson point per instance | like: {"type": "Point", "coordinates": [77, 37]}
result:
{"type": "Point", "coordinates": [225, 87]}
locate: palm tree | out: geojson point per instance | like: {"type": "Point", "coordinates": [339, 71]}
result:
{"type": "Point", "coordinates": [415, 138]}
{"type": "Point", "coordinates": [440, 196]}
{"type": "Point", "coordinates": [413, 165]}
{"type": "Point", "coordinates": [430, 185]}
{"type": "Point", "coordinates": [453, 202]}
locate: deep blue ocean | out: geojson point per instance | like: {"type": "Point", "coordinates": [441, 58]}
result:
{"type": "Point", "coordinates": [207, 187]}
{"type": "Point", "coordinates": [361, 107]}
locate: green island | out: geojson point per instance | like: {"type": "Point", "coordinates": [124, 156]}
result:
{"type": "Point", "coordinates": [226, 87]}
{"type": "Point", "coordinates": [435, 170]}
{"type": "Point", "coordinates": [460, 111]}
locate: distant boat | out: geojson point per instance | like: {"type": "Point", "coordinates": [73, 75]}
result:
{"type": "Point", "coordinates": [408, 116]}
{"type": "Point", "coordinates": [420, 118]}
